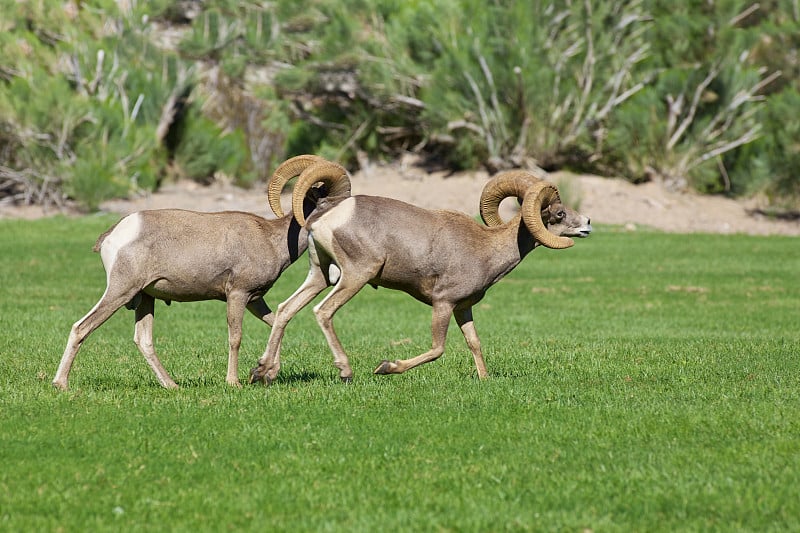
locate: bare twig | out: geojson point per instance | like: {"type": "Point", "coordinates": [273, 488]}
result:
{"type": "Point", "coordinates": [136, 107]}
{"type": "Point", "coordinates": [744, 14]}
{"type": "Point", "coordinates": [749, 136]}
{"type": "Point", "coordinates": [689, 118]}
{"type": "Point", "coordinates": [463, 124]}
{"type": "Point", "coordinates": [498, 121]}
{"type": "Point", "coordinates": [726, 180]}
{"type": "Point", "coordinates": [586, 81]}
{"type": "Point", "coordinates": [76, 73]}
{"type": "Point", "coordinates": [30, 186]}
{"type": "Point", "coordinates": [98, 71]}
{"type": "Point", "coordinates": [490, 144]}
{"type": "Point", "coordinates": [353, 138]}
{"type": "Point", "coordinates": [615, 98]}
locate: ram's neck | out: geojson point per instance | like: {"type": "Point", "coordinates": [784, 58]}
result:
{"type": "Point", "coordinates": [510, 244]}
{"type": "Point", "coordinates": [296, 237]}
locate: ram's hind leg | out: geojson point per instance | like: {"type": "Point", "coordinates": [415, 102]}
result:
{"type": "Point", "coordinates": [111, 300]}
{"type": "Point", "coordinates": [439, 325]}
{"type": "Point", "coordinates": [143, 337]}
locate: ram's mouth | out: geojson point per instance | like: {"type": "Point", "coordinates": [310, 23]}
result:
{"type": "Point", "coordinates": [580, 233]}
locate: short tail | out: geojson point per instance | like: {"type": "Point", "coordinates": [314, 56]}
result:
{"type": "Point", "coordinates": [101, 238]}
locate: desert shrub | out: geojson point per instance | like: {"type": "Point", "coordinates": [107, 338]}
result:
{"type": "Point", "coordinates": [96, 113]}
{"type": "Point", "coordinates": [689, 92]}
{"type": "Point", "coordinates": [770, 163]}
{"type": "Point", "coordinates": [82, 116]}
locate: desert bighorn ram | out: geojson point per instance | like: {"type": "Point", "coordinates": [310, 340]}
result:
{"type": "Point", "coordinates": [442, 258]}
{"type": "Point", "coordinates": [186, 256]}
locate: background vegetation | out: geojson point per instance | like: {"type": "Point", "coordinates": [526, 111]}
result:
{"type": "Point", "coordinates": [662, 396]}
{"type": "Point", "coordinates": [101, 98]}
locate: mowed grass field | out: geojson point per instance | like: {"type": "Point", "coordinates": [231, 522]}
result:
{"type": "Point", "coordinates": [639, 382]}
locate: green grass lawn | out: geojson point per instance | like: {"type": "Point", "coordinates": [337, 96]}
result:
{"type": "Point", "coordinates": [640, 382]}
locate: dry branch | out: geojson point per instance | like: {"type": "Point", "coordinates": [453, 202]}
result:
{"type": "Point", "coordinates": [715, 139]}
{"type": "Point", "coordinates": [27, 187]}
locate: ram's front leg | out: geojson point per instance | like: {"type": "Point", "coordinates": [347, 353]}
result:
{"type": "Point", "coordinates": [237, 302]}
{"type": "Point", "coordinates": [346, 287]}
{"type": "Point", "coordinates": [270, 363]}
{"type": "Point", "coordinates": [467, 325]}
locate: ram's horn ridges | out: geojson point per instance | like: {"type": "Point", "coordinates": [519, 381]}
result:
{"type": "Point", "coordinates": [538, 197]}
{"type": "Point", "coordinates": [332, 175]}
{"type": "Point", "coordinates": [287, 170]}
{"type": "Point", "coordinates": [503, 185]}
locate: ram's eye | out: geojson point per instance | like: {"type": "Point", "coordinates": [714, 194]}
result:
{"type": "Point", "coordinates": [560, 214]}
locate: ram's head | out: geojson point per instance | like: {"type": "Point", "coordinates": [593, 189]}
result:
{"type": "Point", "coordinates": [550, 222]}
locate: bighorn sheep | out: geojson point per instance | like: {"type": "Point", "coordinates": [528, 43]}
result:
{"type": "Point", "coordinates": [442, 258]}
{"type": "Point", "coordinates": [173, 254]}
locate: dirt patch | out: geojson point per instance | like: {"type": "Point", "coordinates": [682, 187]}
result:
{"type": "Point", "coordinates": [605, 200]}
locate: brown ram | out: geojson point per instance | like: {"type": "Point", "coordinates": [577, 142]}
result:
{"type": "Point", "coordinates": [442, 258]}
{"type": "Point", "coordinates": [186, 256]}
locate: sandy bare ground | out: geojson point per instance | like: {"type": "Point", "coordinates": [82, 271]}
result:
{"type": "Point", "coordinates": [605, 200]}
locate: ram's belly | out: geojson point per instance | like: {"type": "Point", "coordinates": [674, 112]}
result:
{"type": "Point", "coordinates": [186, 290]}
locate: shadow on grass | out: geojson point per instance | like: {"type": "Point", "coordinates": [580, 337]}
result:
{"type": "Point", "coordinates": [297, 376]}
{"type": "Point", "coordinates": [287, 378]}
{"type": "Point", "coordinates": [122, 382]}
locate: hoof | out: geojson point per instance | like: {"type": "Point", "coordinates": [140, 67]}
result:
{"type": "Point", "coordinates": [254, 377]}
{"type": "Point", "coordinates": [384, 368]}
{"type": "Point", "coordinates": [347, 380]}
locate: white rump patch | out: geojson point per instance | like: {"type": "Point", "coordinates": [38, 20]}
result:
{"type": "Point", "coordinates": [331, 221]}
{"type": "Point", "coordinates": [125, 233]}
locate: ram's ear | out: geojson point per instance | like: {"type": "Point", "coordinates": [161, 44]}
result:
{"type": "Point", "coordinates": [318, 191]}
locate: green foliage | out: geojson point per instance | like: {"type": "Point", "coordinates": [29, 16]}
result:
{"type": "Point", "coordinates": [540, 90]}
{"type": "Point", "coordinates": [706, 101]}
{"type": "Point", "coordinates": [661, 396]}
{"type": "Point", "coordinates": [232, 34]}
{"type": "Point", "coordinates": [683, 92]}
{"type": "Point", "coordinates": [93, 181]}
{"type": "Point", "coordinates": [770, 164]}
{"type": "Point", "coordinates": [92, 113]}
{"type": "Point", "coordinates": [99, 173]}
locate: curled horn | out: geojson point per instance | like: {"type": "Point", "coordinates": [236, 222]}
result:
{"type": "Point", "coordinates": [332, 175]}
{"type": "Point", "coordinates": [538, 197]}
{"type": "Point", "coordinates": [287, 170]}
{"type": "Point", "coordinates": [502, 186]}
{"type": "Point", "coordinates": [534, 195]}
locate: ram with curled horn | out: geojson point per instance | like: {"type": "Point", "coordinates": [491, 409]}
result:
{"type": "Point", "coordinates": [185, 256]}
{"type": "Point", "coordinates": [442, 258]}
